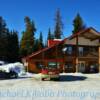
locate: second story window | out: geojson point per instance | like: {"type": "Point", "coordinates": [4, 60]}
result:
{"type": "Point", "coordinates": [80, 51]}
{"type": "Point", "coordinates": [69, 50]}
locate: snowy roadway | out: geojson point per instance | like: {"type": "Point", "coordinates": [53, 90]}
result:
{"type": "Point", "coordinates": [75, 86]}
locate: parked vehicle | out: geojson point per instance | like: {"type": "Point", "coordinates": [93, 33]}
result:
{"type": "Point", "coordinates": [49, 73]}
{"type": "Point", "coordinates": [94, 69]}
{"type": "Point", "coordinates": [8, 75]}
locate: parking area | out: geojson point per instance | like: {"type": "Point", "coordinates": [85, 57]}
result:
{"type": "Point", "coordinates": [73, 86]}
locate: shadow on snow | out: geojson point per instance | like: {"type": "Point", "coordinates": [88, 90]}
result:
{"type": "Point", "coordinates": [64, 78]}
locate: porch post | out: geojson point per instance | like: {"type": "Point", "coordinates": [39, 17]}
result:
{"type": "Point", "coordinates": [43, 61]}
{"type": "Point", "coordinates": [63, 62]}
{"type": "Point", "coordinates": [99, 59]}
{"type": "Point", "coordinates": [76, 59]}
{"type": "Point", "coordinates": [76, 64]}
{"type": "Point", "coordinates": [56, 56]}
{"type": "Point", "coordinates": [25, 62]}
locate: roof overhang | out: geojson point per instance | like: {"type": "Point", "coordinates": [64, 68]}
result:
{"type": "Point", "coordinates": [89, 33]}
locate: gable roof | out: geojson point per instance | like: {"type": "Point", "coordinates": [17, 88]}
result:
{"type": "Point", "coordinates": [70, 37]}
{"type": "Point", "coordinates": [45, 49]}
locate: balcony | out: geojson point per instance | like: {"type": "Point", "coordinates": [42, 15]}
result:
{"type": "Point", "coordinates": [89, 52]}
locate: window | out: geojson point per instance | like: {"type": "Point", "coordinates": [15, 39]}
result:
{"type": "Point", "coordinates": [68, 65]}
{"type": "Point", "coordinates": [39, 65]}
{"type": "Point", "coordinates": [69, 50]}
{"type": "Point", "coordinates": [92, 49]}
{"type": "Point", "coordinates": [80, 51]}
{"type": "Point", "coordinates": [54, 64]}
{"type": "Point", "coordinates": [81, 66]}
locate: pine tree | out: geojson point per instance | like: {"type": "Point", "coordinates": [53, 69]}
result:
{"type": "Point", "coordinates": [50, 36]}
{"type": "Point", "coordinates": [36, 45]}
{"type": "Point", "coordinates": [78, 24]}
{"type": "Point", "coordinates": [3, 39]}
{"type": "Point", "coordinates": [13, 46]}
{"type": "Point", "coordinates": [41, 45]}
{"type": "Point", "coordinates": [58, 26]}
{"type": "Point", "coordinates": [9, 46]}
{"type": "Point", "coordinates": [27, 41]}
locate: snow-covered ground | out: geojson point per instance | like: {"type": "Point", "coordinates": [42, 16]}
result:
{"type": "Point", "coordinates": [72, 86]}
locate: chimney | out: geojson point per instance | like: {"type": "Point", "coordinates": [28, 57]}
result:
{"type": "Point", "coordinates": [53, 42]}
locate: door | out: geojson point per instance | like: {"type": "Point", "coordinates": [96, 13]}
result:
{"type": "Point", "coordinates": [81, 66]}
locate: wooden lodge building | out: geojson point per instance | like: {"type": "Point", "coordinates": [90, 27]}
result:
{"type": "Point", "coordinates": [79, 52]}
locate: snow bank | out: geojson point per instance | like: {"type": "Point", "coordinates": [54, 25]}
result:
{"type": "Point", "coordinates": [28, 75]}
{"type": "Point", "coordinates": [37, 76]}
{"type": "Point", "coordinates": [73, 74]}
{"type": "Point", "coordinates": [16, 67]}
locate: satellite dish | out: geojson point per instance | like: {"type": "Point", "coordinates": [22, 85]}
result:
{"type": "Point", "coordinates": [64, 49]}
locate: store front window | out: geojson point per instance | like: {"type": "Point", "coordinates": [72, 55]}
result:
{"type": "Point", "coordinates": [54, 64]}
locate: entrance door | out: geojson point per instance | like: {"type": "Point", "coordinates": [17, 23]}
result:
{"type": "Point", "coordinates": [81, 66]}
